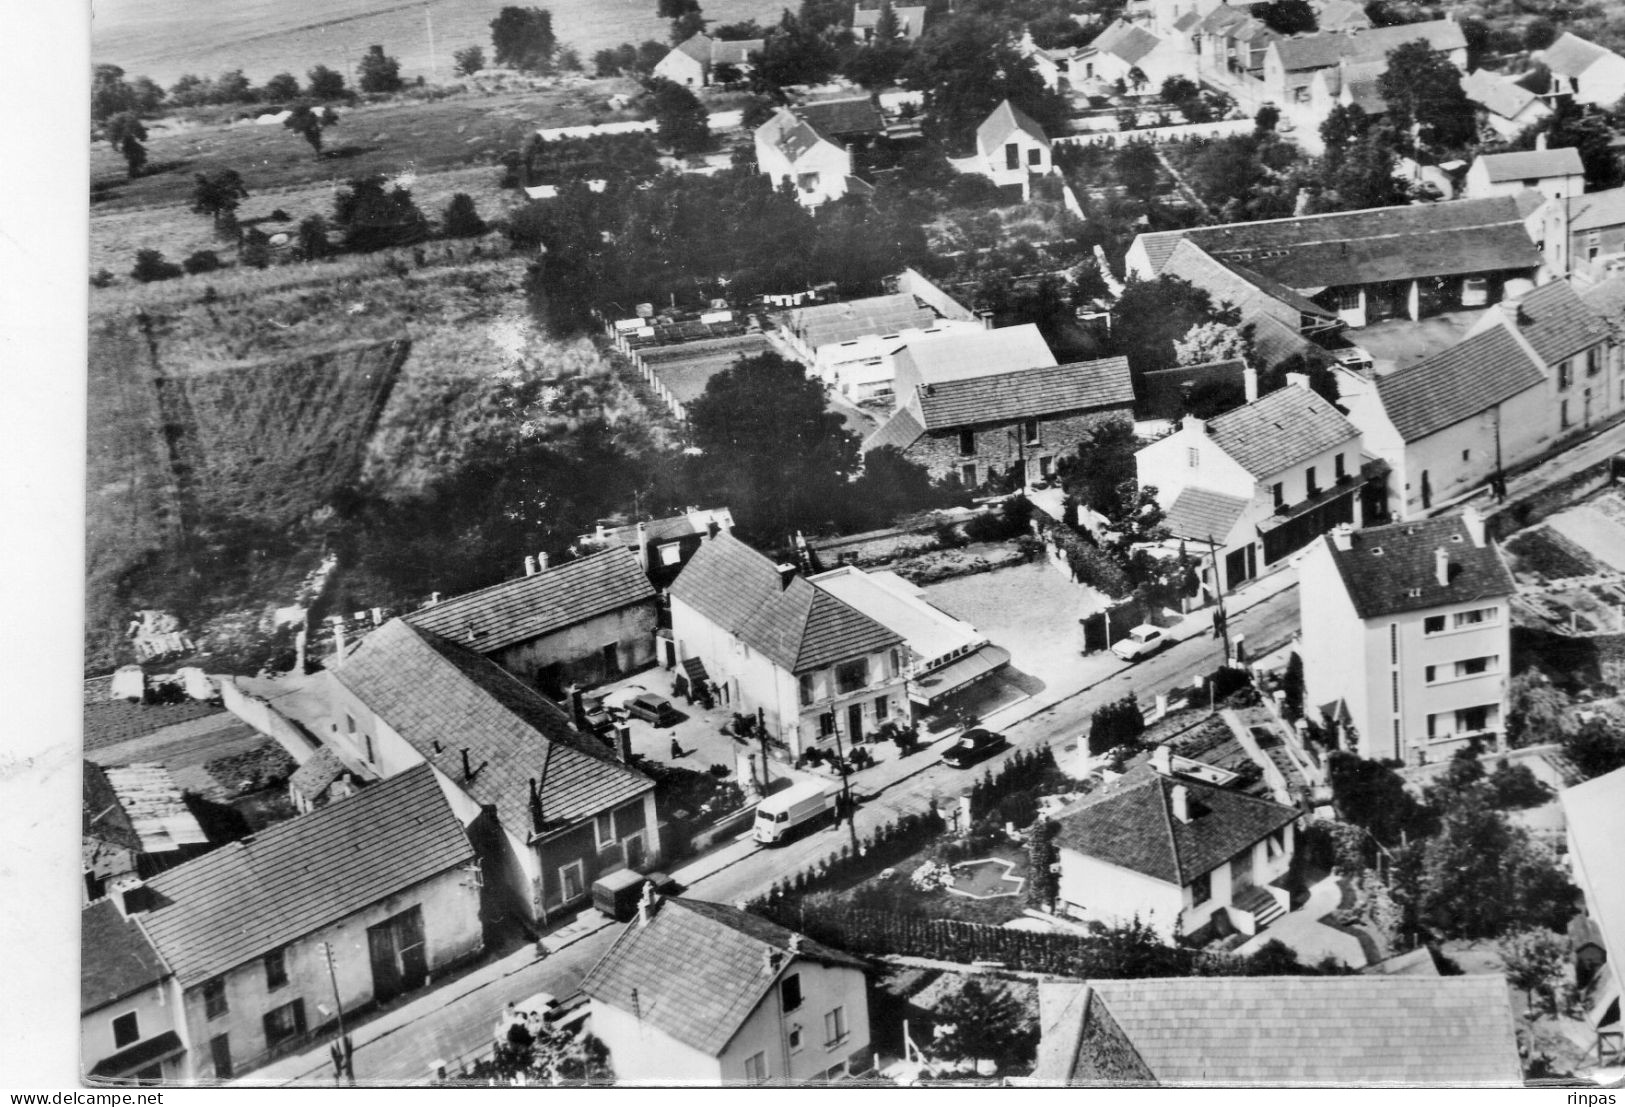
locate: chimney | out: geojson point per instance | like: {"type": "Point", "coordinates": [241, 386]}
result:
{"type": "Point", "coordinates": [643, 546]}
{"type": "Point", "coordinates": [338, 640]}
{"type": "Point", "coordinates": [1180, 797]}
{"type": "Point", "coordinates": [985, 317]}
{"type": "Point", "coordinates": [535, 806]}
{"type": "Point", "coordinates": [1298, 380]}
{"type": "Point", "coordinates": [771, 959]}
{"type": "Point", "coordinates": [623, 743]}
{"type": "Point", "coordinates": [647, 903]}
{"type": "Point", "coordinates": [1162, 760]}
{"type": "Point", "coordinates": [434, 598]}
{"type": "Point", "coordinates": [795, 944]}
{"type": "Point", "coordinates": [1193, 424]}
{"type": "Point", "coordinates": [1342, 536]}
{"type": "Point", "coordinates": [530, 566]}
{"type": "Point", "coordinates": [598, 531]}
{"type": "Point", "coordinates": [1473, 520]}
{"type": "Point", "coordinates": [578, 707]}
{"type": "Point", "coordinates": [1249, 382]}
{"type": "Point", "coordinates": [377, 616]}
{"type": "Point", "coordinates": [129, 895]}
{"type": "Point", "coordinates": [787, 573]}
{"type": "Point", "coordinates": [712, 529]}
{"type": "Point", "coordinates": [1540, 141]}
{"type": "Point", "coordinates": [541, 563]}
{"type": "Point", "coordinates": [1441, 566]}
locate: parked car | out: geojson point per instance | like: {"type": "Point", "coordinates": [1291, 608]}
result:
{"type": "Point", "coordinates": [653, 709]}
{"type": "Point", "coordinates": [1143, 641]}
{"type": "Point", "coordinates": [973, 746]}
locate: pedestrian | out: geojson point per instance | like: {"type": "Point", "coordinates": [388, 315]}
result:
{"type": "Point", "coordinates": [676, 750]}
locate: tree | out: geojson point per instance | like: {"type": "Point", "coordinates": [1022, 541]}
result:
{"type": "Point", "coordinates": [189, 91]}
{"type": "Point", "coordinates": [232, 87]}
{"type": "Point", "coordinates": [1371, 795]}
{"type": "Point", "coordinates": [150, 265]}
{"type": "Point", "coordinates": [147, 96]}
{"type": "Point", "coordinates": [1535, 961]}
{"type": "Point", "coordinates": [1344, 125]}
{"type": "Point", "coordinates": [794, 53]}
{"type": "Point", "coordinates": [1537, 712]}
{"type": "Point", "coordinates": [686, 26]}
{"type": "Point", "coordinates": [1210, 342]}
{"type": "Point", "coordinates": [1596, 747]}
{"type": "Point", "coordinates": [201, 261]}
{"type": "Point", "coordinates": [1151, 315]}
{"type": "Point", "coordinates": [523, 38]}
{"type": "Point", "coordinates": [1539, 33]}
{"type": "Point", "coordinates": [986, 1023]}
{"type": "Point", "coordinates": [378, 72]}
{"type": "Point", "coordinates": [126, 134]}
{"type": "Point", "coordinates": [373, 217]}
{"type": "Point", "coordinates": [676, 9]}
{"type": "Point", "coordinates": [770, 448]}
{"type": "Point", "coordinates": [461, 218]}
{"type": "Point", "coordinates": [1138, 169]}
{"type": "Point", "coordinates": [313, 243]}
{"type": "Point", "coordinates": [966, 66]}
{"type": "Point", "coordinates": [1481, 876]}
{"type": "Point", "coordinates": [217, 194]}
{"type": "Point", "coordinates": [1119, 723]}
{"type": "Point", "coordinates": [1289, 17]}
{"type": "Point", "coordinates": [281, 88]}
{"type": "Point", "coordinates": [468, 61]}
{"type": "Point", "coordinates": [1425, 100]}
{"type": "Point", "coordinates": [325, 85]}
{"type": "Point", "coordinates": [890, 487]}
{"type": "Point", "coordinates": [681, 120]}
{"type": "Point", "coordinates": [1362, 176]}
{"type": "Point", "coordinates": [1267, 119]}
{"type": "Point", "coordinates": [1589, 132]}
{"type": "Point", "coordinates": [309, 123]}
{"type": "Point", "coordinates": [1102, 465]}
{"type": "Point", "coordinates": [110, 94]}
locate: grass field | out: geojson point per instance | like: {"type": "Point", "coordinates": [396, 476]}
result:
{"type": "Point", "coordinates": [163, 39]}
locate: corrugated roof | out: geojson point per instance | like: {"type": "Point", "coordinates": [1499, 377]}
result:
{"type": "Point", "coordinates": [1132, 825]}
{"type": "Point", "coordinates": [530, 607]}
{"type": "Point", "coordinates": [1557, 323]}
{"type": "Point", "coordinates": [1470, 377]}
{"type": "Point", "coordinates": [944, 357]}
{"type": "Point", "coordinates": [1301, 1031]}
{"type": "Point", "coordinates": [1522, 165]}
{"type": "Point", "coordinates": [1026, 394]}
{"type": "Point", "coordinates": [798, 626]}
{"type": "Point", "coordinates": [257, 894]}
{"type": "Point", "coordinates": [1496, 93]}
{"type": "Point", "coordinates": [115, 957]}
{"type": "Point", "coordinates": [432, 691]}
{"type": "Point", "coordinates": [1572, 55]}
{"type": "Point", "coordinates": [102, 816]}
{"type": "Point", "coordinates": [156, 808]}
{"type": "Point", "coordinates": [1005, 120]}
{"type": "Point", "coordinates": [829, 324]}
{"type": "Point", "coordinates": [697, 970]}
{"type": "Point", "coordinates": [1277, 431]}
{"type": "Point", "coordinates": [1393, 569]}
{"type": "Point", "coordinates": [1199, 513]}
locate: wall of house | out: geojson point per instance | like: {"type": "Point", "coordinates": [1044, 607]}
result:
{"type": "Point", "coordinates": [885, 679]}
{"type": "Point", "coordinates": [577, 650]}
{"type": "Point", "coordinates": [996, 448]}
{"type": "Point", "coordinates": [580, 845]}
{"type": "Point", "coordinates": [1603, 82]}
{"type": "Point", "coordinates": [1339, 660]}
{"type": "Point", "coordinates": [680, 67]}
{"type": "Point", "coordinates": [1093, 889]}
{"type": "Point", "coordinates": [154, 1009]}
{"type": "Point", "coordinates": [1419, 699]}
{"type": "Point", "coordinates": [1032, 156]}
{"type": "Point", "coordinates": [641, 1053]}
{"type": "Point", "coordinates": [827, 165]}
{"type": "Point", "coordinates": [1378, 437]}
{"type": "Point", "coordinates": [767, 1030]}
{"type": "Point", "coordinates": [450, 905]}
{"type": "Point", "coordinates": [1479, 184]}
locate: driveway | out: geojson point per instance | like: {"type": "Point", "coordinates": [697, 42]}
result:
{"type": "Point", "coordinates": [1308, 937]}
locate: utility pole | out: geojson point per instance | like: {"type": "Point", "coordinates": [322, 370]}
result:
{"type": "Point", "coordinates": [846, 785]}
{"type": "Point", "coordinates": [342, 1051]}
{"type": "Point", "coordinates": [1220, 619]}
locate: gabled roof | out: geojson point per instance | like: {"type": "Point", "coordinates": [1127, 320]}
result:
{"type": "Point", "coordinates": [1187, 21]}
{"type": "Point", "coordinates": [1199, 513]}
{"type": "Point", "coordinates": [951, 356]}
{"type": "Point", "coordinates": [1280, 430]}
{"type": "Point", "coordinates": [1557, 323]}
{"type": "Point", "coordinates": [435, 693]}
{"type": "Point", "coordinates": [1004, 121]}
{"type": "Point", "coordinates": [799, 139]}
{"type": "Point", "coordinates": [1222, 18]}
{"type": "Point", "coordinates": [1126, 41]}
{"type": "Point", "coordinates": [262, 892]}
{"type": "Point", "coordinates": [1132, 825]}
{"type": "Point", "coordinates": [696, 46]}
{"type": "Point", "coordinates": [854, 115]}
{"type": "Point", "coordinates": [1080, 1043]}
{"type": "Point", "coordinates": [726, 51]}
{"type": "Point", "coordinates": [1471, 376]}
{"type": "Point", "coordinates": [901, 430]}
{"type": "Point", "coordinates": [829, 324]}
{"type": "Point", "coordinates": [798, 626]}
{"type": "Point", "coordinates": [1313, 51]}
{"type": "Point", "coordinates": [1298, 1031]}
{"type": "Point", "coordinates": [910, 20]}
{"type": "Point", "coordinates": [1025, 394]}
{"type": "Point", "coordinates": [1524, 165]}
{"type": "Point", "coordinates": [1230, 281]}
{"type": "Point", "coordinates": [1607, 300]}
{"type": "Point", "coordinates": [115, 957]}
{"type": "Point", "coordinates": [691, 522]}
{"type": "Point", "coordinates": [317, 774]}
{"type": "Point", "coordinates": [543, 603]}
{"type": "Point", "coordinates": [1596, 210]}
{"type": "Point", "coordinates": [1496, 93]}
{"type": "Point", "coordinates": [1393, 569]}
{"type": "Point", "coordinates": [1374, 43]}
{"type": "Point", "coordinates": [1571, 55]}
{"type": "Point", "coordinates": [697, 970]}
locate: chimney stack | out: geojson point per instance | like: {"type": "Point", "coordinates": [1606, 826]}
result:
{"type": "Point", "coordinates": [1342, 536]}
{"type": "Point", "coordinates": [128, 894]}
{"type": "Point", "coordinates": [1180, 797]}
{"type": "Point", "coordinates": [623, 743]}
{"type": "Point", "coordinates": [1473, 520]}
{"type": "Point", "coordinates": [712, 529]}
{"type": "Point", "coordinates": [787, 573]}
{"type": "Point", "coordinates": [530, 566]}
{"type": "Point", "coordinates": [338, 640]}
{"type": "Point", "coordinates": [1162, 760]}
{"type": "Point", "coordinates": [1441, 566]}
{"type": "Point", "coordinates": [1298, 380]}
{"type": "Point", "coordinates": [647, 902]}
{"type": "Point", "coordinates": [434, 598]}
{"type": "Point", "coordinates": [643, 546]}
{"type": "Point", "coordinates": [770, 960]}
{"type": "Point", "coordinates": [986, 318]}
{"type": "Point", "coordinates": [578, 707]}
{"type": "Point", "coordinates": [541, 563]}
{"type": "Point", "coordinates": [377, 616]}
{"type": "Point", "coordinates": [535, 805]}
{"type": "Point", "coordinates": [1249, 382]}
{"type": "Point", "coordinates": [1540, 141]}
{"type": "Point", "coordinates": [795, 943]}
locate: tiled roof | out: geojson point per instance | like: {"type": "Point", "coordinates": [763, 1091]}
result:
{"type": "Point", "coordinates": [798, 626]}
{"type": "Point", "coordinates": [252, 896]}
{"type": "Point", "coordinates": [1199, 513]}
{"type": "Point", "coordinates": [1557, 323]}
{"type": "Point", "coordinates": [1596, 210]}
{"type": "Point", "coordinates": [1132, 825]}
{"type": "Point", "coordinates": [1187, 21]}
{"type": "Point", "coordinates": [1231, 281]}
{"type": "Point", "coordinates": [1005, 120]}
{"type": "Point", "coordinates": [1374, 43]}
{"type": "Point", "coordinates": [826, 324]}
{"type": "Point", "coordinates": [697, 970]}
{"type": "Point", "coordinates": [943, 357]}
{"type": "Point", "coordinates": [315, 776]}
{"type": "Point", "coordinates": [691, 522]}
{"type": "Point", "coordinates": [1222, 18]}
{"type": "Point", "coordinates": [1126, 41]}
{"type": "Point", "coordinates": [115, 958]}
{"type": "Point", "coordinates": [1520, 165]}
{"type": "Point", "coordinates": [1080, 1044]}
{"type": "Point", "coordinates": [1374, 244]}
{"type": "Point", "coordinates": [856, 115]}
{"type": "Point", "coordinates": [1572, 55]}
{"type": "Point", "coordinates": [1392, 569]}
{"type": "Point", "coordinates": [109, 722]}
{"type": "Point", "coordinates": [1279, 430]}
{"type": "Point", "coordinates": [1450, 386]}
{"type": "Point", "coordinates": [906, 17]}
{"type": "Point", "coordinates": [1301, 1031]}
{"type": "Point", "coordinates": [1026, 394]}
{"type": "Point", "coordinates": [1496, 93]}
{"type": "Point", "coordinates": [1313, 51]}
{"type": "Point", "coordinates": [543, 603]}
{"type": "Point", "coordinates": [902, 430]}
{"type": "Point", "coordinates": [435, 693]}
{"type": "Point", "coordinates": [799, 139]}
{"type": "Point", "coordinates": [1607, 299]}
{"type": "Point", "coordinates": [697, 47]}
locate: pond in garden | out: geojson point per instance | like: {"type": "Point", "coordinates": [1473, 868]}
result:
{"type": "Point", "coordinates": [986, 879]}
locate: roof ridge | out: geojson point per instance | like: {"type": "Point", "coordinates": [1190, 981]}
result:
{"type": "Point", "coordinates": [1165, 809]}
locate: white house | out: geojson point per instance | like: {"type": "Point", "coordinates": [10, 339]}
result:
{"type": "Point", "coordinates": [1406, 636]}
{"type": "Point", "coordinates": [1505, 106]}
{"type": "Point", "coordinates": [1595, 813]}
{"type": "Point", "coordinates": [1011, 149]}
{"type": "Point", "coordinates": [1174, 851]}
{"type": "Point", "coordinates": [910, 21]}
{"type": "Point", "coordinates": [850, 344]}
{"type": "Point", "coordinates": [1258, 482]}
{"type": "Point", "coordinates": [959, 355]}
{"type": "Point", "coordinates": [770, 641]}
{"type": "Point", "coordinates": [128, 1001]}
{"type": "Point", "coordinates": [1556, 174]}
{"type": "Point", "coordinates": [1584, 70]}
{"type": "Point", "coordinates": [788, 148]}
{"type": "Point", "coordinates": [698, 994]}
{"type": "Point", "coordinates": [1125, 52]}
{"type": "Point", "coordinates": [694, 61]}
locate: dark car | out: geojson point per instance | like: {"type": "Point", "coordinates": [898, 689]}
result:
{"type": "Point", "coordinates": [973, 746]}
{"type": "Point", "coordinates": [654, 709]}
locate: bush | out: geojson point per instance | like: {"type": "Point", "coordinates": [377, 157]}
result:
{"type": "Point", "coordinates": [101, 278]}
{"type": "Point", "coordinates": [461, 218]}
{"type": "Point", "coordinates": [150, 265]}
{"type": "Point", "coordinates": [203, 261]}
{"type": "Point", "coordinates": [1116, 724]}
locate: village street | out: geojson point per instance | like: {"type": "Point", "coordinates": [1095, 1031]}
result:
{"type": "Point", "coordinates": [454, 1022]}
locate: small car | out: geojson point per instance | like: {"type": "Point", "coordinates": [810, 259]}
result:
{"type": "Point", "coordinates": [1143, 641]}
{"type": "Point", "coordinates": [653, 709]}
{"type": "Point", "coordinates": [973, 746]}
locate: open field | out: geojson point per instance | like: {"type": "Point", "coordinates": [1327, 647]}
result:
{"type": "Point", "coordinates": [163, 39]}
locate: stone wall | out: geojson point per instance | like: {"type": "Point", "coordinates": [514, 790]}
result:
{"type": "Point", "coordinates": [997, 448]}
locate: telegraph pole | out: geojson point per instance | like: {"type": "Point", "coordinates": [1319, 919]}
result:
{"type": "Point", "coordinates": [846, 785]}
{"type": "Point", "coordinates": [1221, 621]}
{"type": "Point", "coordinates": [342, 1051]}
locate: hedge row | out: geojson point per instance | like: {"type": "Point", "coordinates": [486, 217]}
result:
{"type": "Point", "coordinates": [889, 844]}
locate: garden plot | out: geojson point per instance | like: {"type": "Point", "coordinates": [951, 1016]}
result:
{"type": "Point", "coordinates": [1598, 528]}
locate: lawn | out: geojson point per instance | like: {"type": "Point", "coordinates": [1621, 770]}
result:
{"type": "Point", "coordinates": [1551, 554]}
{"type": "Point", "coordinates": [897, 893]}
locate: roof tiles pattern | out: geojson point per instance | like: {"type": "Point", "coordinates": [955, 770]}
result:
{"type": "Point", "coordinates": [1199, 513]}
{"type": "Point", "coordinates": [1393, 569]}
{"type": "Point", "coordinates": [1026, 394]}
{"type": "Point", "coordinates": [1557, 323]}
{"type": "Point", "coordinates": [1518, 165]}
{"type": "Point", "coordinates": [1496, 93]}
{"type": "Point", "coordinates": [1279, 430]}
{"type": "Point", "coordinates": [1471, 376]}
{"type": "Point", "coordinates": [115, 957]}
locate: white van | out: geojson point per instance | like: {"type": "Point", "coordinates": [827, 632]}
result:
{"type": "Point", "coordinates": [780, 814]}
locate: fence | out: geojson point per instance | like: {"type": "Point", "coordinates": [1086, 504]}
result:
{"type": "Point", "coordinates": [1178, 132]}
{"type": "Point", "coordinates": [266, 719]}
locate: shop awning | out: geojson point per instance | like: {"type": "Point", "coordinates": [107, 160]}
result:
{"type": "Point", "coordinates": [982, 662]}
{"type": "Point", "coordinates": [153, 1051]}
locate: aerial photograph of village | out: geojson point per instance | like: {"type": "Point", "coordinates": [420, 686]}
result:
{"type": "Point", "coordinates": [896, 543]}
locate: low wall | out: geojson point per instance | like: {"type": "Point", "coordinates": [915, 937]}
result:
{"type": "Point", "coordinates": [266, 719]}
{"type": "Point", "coordinates": [1178, 132]}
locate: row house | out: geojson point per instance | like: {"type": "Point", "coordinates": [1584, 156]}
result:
{"type": "Point", "coordinates": [1406, 637]}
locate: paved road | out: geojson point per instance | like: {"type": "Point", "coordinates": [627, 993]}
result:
{"type": "Point", "coordinates": [456, 1019]}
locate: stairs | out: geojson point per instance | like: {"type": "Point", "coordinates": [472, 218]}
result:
{"type": "Point", "coordinates": [1260, 905]}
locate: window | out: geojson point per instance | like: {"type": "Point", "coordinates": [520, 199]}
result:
{"type": "Point", "coordinates": [896, 662]}
{"type": "Point", "coordinates": [1433, 624]}
{"type": "Point", "coordinates": [1035, 156]}
{"type": "Point", "coordinates": [835, 1027]}
{"type": "Point", "coordinates": [1466, 454]}
{"type": "Point", "coordinates": [1012, 156]}
{"type": "Point", "coordinates": [756, 1068]}
{"type": "Point", "coordinates": [1565, 374]}
{"type": "Point", "coordinates": [826, 724]}
{"type": "Point", "coordinates": [1046, 465]}
{"type": "Point", "coordinates": [603, 827]}
{"type": "Point", "coordinates": [220, 1054]}
{"type": "Point", "coordinates": [1193, 457]}
{"type": "Point", "coordinates": [807, 182]}
{"type": "Point", "coordinates": [1471, 720]}
{"type": "Point", "coordinates": [882, 707]}
{"type": "Point", "coordinates": [571, 881]}
{"type": "Point", "coordinates": [1430, 673]}
{"type": "Point", "coordinates": [790, 991]}
{"type": "Point", "coordinates": [1479, 616]}
{"type": "Point", "coordinates": [967, 475]}
{"type": "Point", "coordinates": [1593, 361]}
{"type": "Point", "coordinates": [1563, 414]}
{"type": "Point", "coordinates": [1348, 299]}
{"type": "Point", "coordinates": [851, 675]}
{"type": "Point", "coordinates": [126, 1029]}
{"type": "Point", "coordinates": [1393, 643]}
{"type": "Point", "coordinates": [967, 442]}
{"type": "Point", "coordinates": [349, 723]}
{"type": "Point", "coordinates": [1201, 889]}
{"type": "Point", "coordinates": [806, 689]}
{"type": "Point", "coordinates": [1029, 430]}
{"type": "Point", "coordinates": [796, 1037]}
{"type": "Point", "coordinates": [1310, 484]}
{"type": "Point", "coordinates": [1339, 470]}
{"type": "Point", "coordinates": [671, 553]}
{"type": "Point", "coordinates": [1473, 666]}
{"type": "Point", "coordinates": [284, 1023]}
{"type": "Point", "coordinates": [1393, 683]}
{"type": "Point", "coordinates": [276, 969]}
{"type": "Point", "coordinates": [1278, 494]}
{"type": "Point", "coordinates": [214, 998]}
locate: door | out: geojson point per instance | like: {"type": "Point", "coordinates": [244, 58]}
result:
{"type": "Point", "coordinates": [399, 960]}
{"type": "Point", "coordinates": [854, 723]}
{"type": "Point", "coordinates": [612, 659]}
{"type": "Point", "coordinates": [636, 852]}
{"type": "Point", "coordinates": [1241, 873]}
